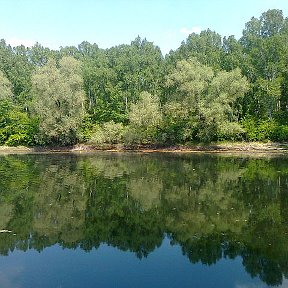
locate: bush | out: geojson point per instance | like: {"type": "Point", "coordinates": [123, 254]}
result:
{"type": "Point", "coordinates": [144, 117]}
{"type": "Point", "coordinates": [132, 135]}
{"type": "Point", "coordinates": [281, 133]}
{"type": "Point", "coordinates": [109, 133]}
{"type": "Point", "coordinates": [264, 130]}
{"type": "Point", "coordinates": [231, 131]}
{"type": "Point", "coordinates": [16, 127]}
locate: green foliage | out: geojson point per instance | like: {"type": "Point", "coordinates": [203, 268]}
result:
{"type": "Point", "coordinates": [144, 119]}
{"type": "Point", "coordinates": [264, 46]}
{"type": "Point", "coordinates": [114, 78]}
{"type": "Point", "coordinates": [201, 88]}
{"type": "Point", "coordinates": [231, 131]}
{"type": "Point", "coordinates": [5, 88]}
{"type": "Point", "coordinates": [108, 133]}
{"type": "Point", "coordinates": [176, 127]}
{"type": "Point", "coordinates": [21, 129]}
{"type": "Point", "coordinates": [261, 130]}
{"type": "Point", "coordinates": [207, 98]}
{"type": "Point", "coordinates": [58, 101]}
{"type": "Point", "coordinates": [205, 47]}
{"type": "Point", "coordinates": [16, 65]}
{"type": "Point", "coordinates": [280, 133]}
{"type": "Point", "coordinates": [16, 127]}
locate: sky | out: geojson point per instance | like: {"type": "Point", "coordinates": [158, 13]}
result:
{"type": "Point", "coordinates": [55, 23]}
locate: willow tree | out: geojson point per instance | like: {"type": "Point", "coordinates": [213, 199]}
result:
{"type": "Point", "coordinates": [206, 99]}
{"type": "Point", "coordinates": [145, 116]}
{"type": "Point", "coordinates": [58, 100]}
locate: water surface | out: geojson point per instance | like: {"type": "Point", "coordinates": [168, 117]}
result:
{"type": "Point", "coordinates": [138, 220]}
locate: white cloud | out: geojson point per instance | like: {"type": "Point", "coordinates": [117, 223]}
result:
{"type": "Point", "coordinates": [17, 42]}
{"type": "Point", "coordinates": [186, 31]}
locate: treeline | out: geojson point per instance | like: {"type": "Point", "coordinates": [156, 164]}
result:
{"type": "Point", "coordinates": [209, 89]}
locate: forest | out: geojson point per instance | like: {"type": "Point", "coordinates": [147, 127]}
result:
{"type": "Point", "coordinates": [211, 88]}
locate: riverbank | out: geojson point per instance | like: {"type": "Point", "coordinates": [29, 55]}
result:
{"type": "Point", "coordinates": [230, 147]}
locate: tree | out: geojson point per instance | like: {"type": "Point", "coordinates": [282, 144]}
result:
{"type": "Point", "coordinates": [16, 127]}
{"type": "Point", "coordinates": [205, 47]}
{"type": "Point", "coordinates": [115, 77]}
{"type": "Point", "coordinates": [265, 51]}
{"type": "Point", "coordinates": [233, 54]}
{"type": "Point", "coordinates": [104, 98]}
{"type": "Point", "coordinates": [207, 97]}
{"type": "Point", "coordinates": [38, 55]}
{"type": "Point", "coordinates": [145, 116]}
{"type": "Point", "coordinates": [58, 100]}
{"type": "Point", "coordinates": [15, 65]}
{"type": "Point", "coordinates": [5, 88]}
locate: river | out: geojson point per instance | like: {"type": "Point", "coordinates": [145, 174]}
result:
{"type": "Point", "coordinates": [143, 220]}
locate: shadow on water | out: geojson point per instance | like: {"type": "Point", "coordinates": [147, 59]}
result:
{"type": "Point", "coordinates": [213, 207]}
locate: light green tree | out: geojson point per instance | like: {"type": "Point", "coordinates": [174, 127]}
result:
{"type": "Point", "coordinates": [59, 100]}
{"type": "Point", "coordinates": [207, 97]}
{"type": "Point", "coordinates": [145, 117]}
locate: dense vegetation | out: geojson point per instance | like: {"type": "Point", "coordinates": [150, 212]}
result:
{"type": "Point", "coordinates": [209, 89]}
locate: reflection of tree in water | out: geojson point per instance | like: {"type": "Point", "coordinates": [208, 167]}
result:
{"type": "Point", "coordinates": [60, 203]}
{"type": "Point", "coordinates": [115, 218]}
{"type": "Point", "coordinates": [213, 207]}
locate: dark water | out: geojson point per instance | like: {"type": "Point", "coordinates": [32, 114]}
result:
{"type": "Point", "coordinates": [135, 220]}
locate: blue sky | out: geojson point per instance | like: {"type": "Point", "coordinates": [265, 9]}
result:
{"type": "Point", "coordinates": [56, 23]}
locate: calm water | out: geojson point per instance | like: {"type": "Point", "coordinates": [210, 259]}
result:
{"type": "Point", "coordinates": [136, 220]}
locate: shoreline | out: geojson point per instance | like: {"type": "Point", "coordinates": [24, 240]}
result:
{"type": "Point", "coordinates": [237, 147]}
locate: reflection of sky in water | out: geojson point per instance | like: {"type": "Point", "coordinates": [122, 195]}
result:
{"type": "Point", "coordinates": [253, 285]}
{"type": "Point", "coordinates": [11, 274]}
{"type": "Point", "coordinates": [110, 267]}
{"type": "Point", "coordinates": [250, 286]}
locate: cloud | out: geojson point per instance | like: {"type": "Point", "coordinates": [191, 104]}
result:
{"type": "Point", "coordinates": [186, 31]}
{"type": "Point", "coordinates": [17, 42]}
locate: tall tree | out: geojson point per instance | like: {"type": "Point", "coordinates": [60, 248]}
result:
{"type": "Point", "coordinates": [206, 47]}
{"type": "Point", "coordinates": [233, 54]}
{"type": "Point", "coordinates": [15, 65]}
{"type": "Point", "coordinates": [59, 100]}
{"type": "Point", "coordinates": [115, 77]}
{"type": "Point", "coordinates": [207, 97]}
{"type": "Point", "coordinates": [265, 42]}
{"type": "Point", "coordinates": [5, 88]}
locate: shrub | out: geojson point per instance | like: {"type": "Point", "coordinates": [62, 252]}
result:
{"type": "Point", "coordinates": [231, 131]}
{"type": "Point", "coordinates": [109, 133]}
{"type": "Point", "coordinates": [144, 117]}
{"type": "Point", "coordinates": [281, 133]}
{"type": "Point", "coordinates": [259, 130]}
{"type": "Point", "coordinates": [16, 127]}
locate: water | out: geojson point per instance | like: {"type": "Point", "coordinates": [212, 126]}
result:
{"type": "Point", "coordinates": [139, 220]}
